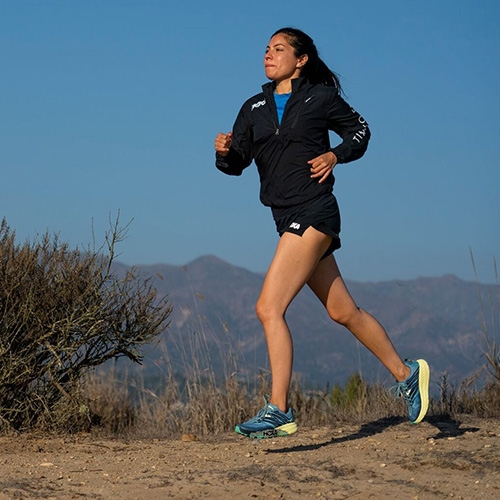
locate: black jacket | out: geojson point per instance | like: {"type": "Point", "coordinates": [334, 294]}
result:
{"type": "Point", "coordinates": [281, 152]}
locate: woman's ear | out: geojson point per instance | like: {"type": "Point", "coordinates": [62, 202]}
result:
{"type": "Point", "coordinates": [302, 61]}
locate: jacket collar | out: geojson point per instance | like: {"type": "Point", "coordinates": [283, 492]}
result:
{"type": "Point", "coordinates": [297, 83]}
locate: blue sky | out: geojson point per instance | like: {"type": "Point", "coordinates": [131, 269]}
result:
{"type": "Point", "coordinates": [113, 106]}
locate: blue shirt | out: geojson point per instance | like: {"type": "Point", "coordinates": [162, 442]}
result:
{"type": "Point", "coordinates": [281, 100]}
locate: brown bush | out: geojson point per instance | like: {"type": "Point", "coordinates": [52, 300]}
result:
{"type": "Point", "coordinates": [64, 311]}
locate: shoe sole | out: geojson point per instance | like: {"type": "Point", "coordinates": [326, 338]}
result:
{"type": "Point", "coordinates": [281, 431]}
{"type": "Point", "coordinates": [423, 387]}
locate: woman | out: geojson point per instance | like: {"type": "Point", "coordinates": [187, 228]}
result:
{"type": "Point", "coordinates": [284, 129]}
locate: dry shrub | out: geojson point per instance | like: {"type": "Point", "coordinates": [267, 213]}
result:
{"type": "Point", "coordinates": [478, 395]}
{"type": "Point", "coordinates": [199, 400]}
{"type": "Point", "coordinates": [109, 404]}
{"type": "Point", "coordinates": [62, 312]}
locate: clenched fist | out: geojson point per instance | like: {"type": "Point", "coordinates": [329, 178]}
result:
{"type": "Point", "coordinates": [223, 143]}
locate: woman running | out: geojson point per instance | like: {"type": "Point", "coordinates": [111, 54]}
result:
{"type": "Point", "coordinates": [285, 130]}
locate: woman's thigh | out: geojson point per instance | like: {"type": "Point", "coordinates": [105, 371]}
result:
{"type": "Point", "coordinates": [293, 264]}
{"type": "Point", "coordinates": [328, 285]}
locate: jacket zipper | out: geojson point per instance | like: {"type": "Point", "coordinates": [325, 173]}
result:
{"type": "Point", "coordinates": [274, 114]}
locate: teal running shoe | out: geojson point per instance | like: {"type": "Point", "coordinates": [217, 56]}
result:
{"type": "Point", "coordinates": [415, 389]}
{"type": "Point", "coordinates": [269, 422]}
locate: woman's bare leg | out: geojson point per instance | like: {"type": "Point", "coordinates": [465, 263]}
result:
{"type": "Point", "coordinates": [293, 264]}
{"type": "Point", "coordinates": [327, 283]}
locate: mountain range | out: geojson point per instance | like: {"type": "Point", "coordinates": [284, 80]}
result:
{"type": "Point", "coordinates": [441, 319]}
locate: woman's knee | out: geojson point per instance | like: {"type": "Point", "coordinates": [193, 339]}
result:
{"type": "Point", "coordinates": [344, 316]}
{"type": "Point", "coordinates": [267, 310]}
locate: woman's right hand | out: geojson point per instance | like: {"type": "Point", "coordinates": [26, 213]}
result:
{"type": "Point", "coordinates": [223, 143]}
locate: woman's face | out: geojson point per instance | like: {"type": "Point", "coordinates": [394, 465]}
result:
{"type": "Point", "coordinates": [280, 62]}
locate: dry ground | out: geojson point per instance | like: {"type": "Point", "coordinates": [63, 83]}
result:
{"type": "Point", "coordinates": [388, 458]}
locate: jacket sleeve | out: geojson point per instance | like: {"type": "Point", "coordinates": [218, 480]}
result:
{"type": "Point", "coordinates": [240, 154]}
{"type": "Point", "coordinates": [351, 127]}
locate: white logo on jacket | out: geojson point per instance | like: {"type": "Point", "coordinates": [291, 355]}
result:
{"type": "Point", "coordinates": [360, 134]}
{"type": "Point", "coordinates": [258, 104]}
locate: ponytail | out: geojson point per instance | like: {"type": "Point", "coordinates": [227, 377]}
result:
{"type": "Point", "coordinates": [315, 70]}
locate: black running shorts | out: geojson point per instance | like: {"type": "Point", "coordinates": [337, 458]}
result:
{"type": "Point", "coordinates": [322, 214]}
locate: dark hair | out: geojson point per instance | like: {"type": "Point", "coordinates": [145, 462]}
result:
{"type": "Point", "coordinates": [315, 70]}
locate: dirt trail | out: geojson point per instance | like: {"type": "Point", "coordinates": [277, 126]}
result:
{"type": "Point", "coordinates": [385, 459]}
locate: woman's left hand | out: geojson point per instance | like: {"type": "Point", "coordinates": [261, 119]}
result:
{"type": "Point", "coordinates": [322, 166]}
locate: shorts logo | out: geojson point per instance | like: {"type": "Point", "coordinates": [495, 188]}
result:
{"type": "Point", "coordinates": [294, 225]}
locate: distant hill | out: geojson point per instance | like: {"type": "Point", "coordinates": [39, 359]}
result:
{"type": "Point", "coordinates": [439, 319]}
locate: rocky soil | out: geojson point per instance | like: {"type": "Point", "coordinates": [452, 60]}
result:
{"type": "Point", "coordinates": [389, 458]}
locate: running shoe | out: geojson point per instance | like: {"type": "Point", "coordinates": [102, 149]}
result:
{"type": "Point", "coordinates": [415, 389]}
{"type": "Point", "coordinates": [269, 422]}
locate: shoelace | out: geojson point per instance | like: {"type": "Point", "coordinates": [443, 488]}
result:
{"type": "Point", "coordinates": [269, 411]}
{"type": "Point", "coordinates": [262, 413]}
{"type": "Point", "coordinates": [405, 390]}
